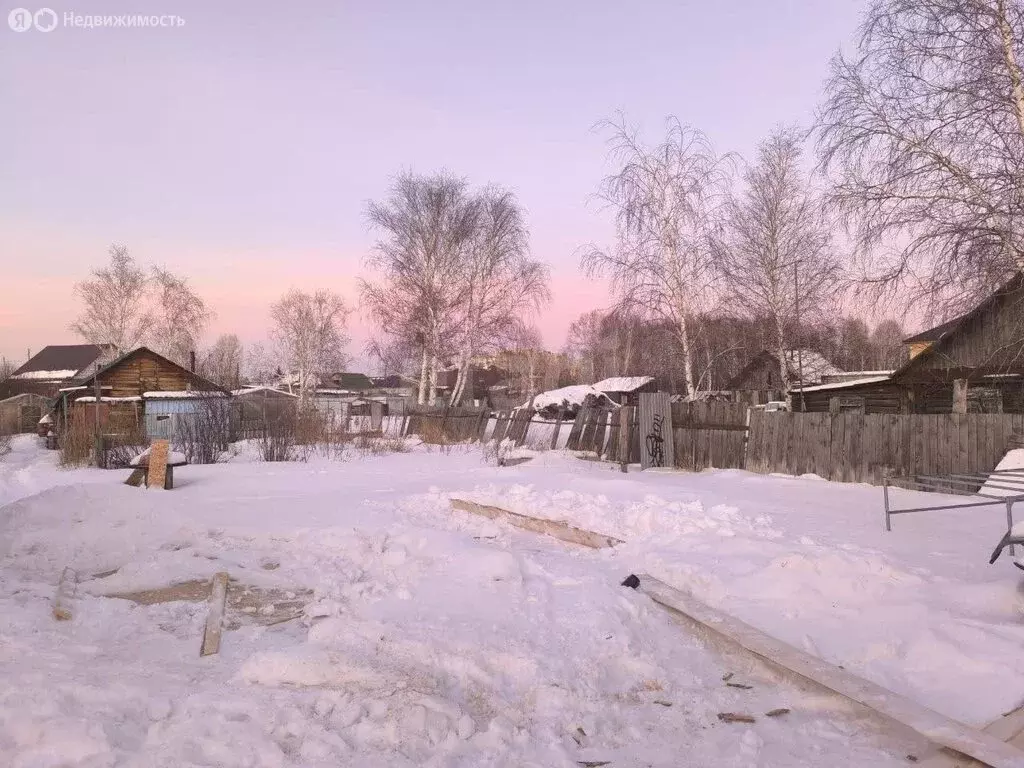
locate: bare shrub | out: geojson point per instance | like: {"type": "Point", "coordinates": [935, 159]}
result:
{"type": "Point", "coordinates": [5, 444]}
{"type": "Point", "coordinates": [77, 439]}
{"type": "Point", "coordinates": [122, 448]}
{"type": "Point", "coordinates": [432, 431]}
{"type": "Point", "coordinates": [377, 445]}
{"type": "Point", "coordinates": [203, 436]}
{"type": "Point", "coordinates": [277, 442]}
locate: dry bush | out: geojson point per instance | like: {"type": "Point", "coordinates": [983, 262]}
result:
{"type": "Point", "coordinates": [204, 436]}
{"type": "Point", "coordinates": [431, 431]}
{"type": "Point", "coordinates": [5, 444]}
{"type": "Point", "coordinates": [77, 439]}
{"type": "Point", "coordinates": [277, 442]}
{"type": "Point", "coordinates": [122, 448]}
{"type": "Point", "coordinates": [378, 445]}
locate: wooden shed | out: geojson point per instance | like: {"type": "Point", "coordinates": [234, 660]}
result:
{"type": "Point", "coordinates": [21, 413]}
{"type": "Point", "coordinates": [137, 384]}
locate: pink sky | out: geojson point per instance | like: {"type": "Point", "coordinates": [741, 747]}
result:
{"type": "Point", "coordinates": [240, 149]}
{"type": "Point", "coordinates": [238, 284]}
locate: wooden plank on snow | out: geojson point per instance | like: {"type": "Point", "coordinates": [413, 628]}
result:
{"type": "Point", "coordinates": [157, 461]}
{"type": "Point", "coordinates": [215, 618]}
{"type": "Point", "coordinates": [554, 528]}
{"type": "Point", "coordinates": [1008, 728]}
{"type": "Point", "coordinates": [935, 727]}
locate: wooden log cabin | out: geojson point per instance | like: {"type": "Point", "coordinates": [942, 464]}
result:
{"type": "Point", "coordinates": [972, 364]}
{"type": "Point", "coordinates": [138, 394]}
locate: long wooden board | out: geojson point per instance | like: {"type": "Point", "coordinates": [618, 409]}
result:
{"type": "Point", "coordinates": [1008, 728]}
{"type": "Point", "coordinates": [553, 528]}
{"type": "Point", "coordinates": [215, 618]}
{"type": "Point", "coordinates": [158, 464]}
{"type": "Point", "coordinates": [984, 747]}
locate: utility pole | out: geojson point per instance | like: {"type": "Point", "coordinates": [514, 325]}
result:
{"type": "Point", "coordinates": [799, 346]}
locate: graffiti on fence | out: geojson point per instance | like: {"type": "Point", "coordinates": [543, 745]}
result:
{"type": "Point", "coordinates": [656, 442]}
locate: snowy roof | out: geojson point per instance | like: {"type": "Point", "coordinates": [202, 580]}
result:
{"type": "Point", "coordinates": [92, 399]}
{"type": "Point", "coordinates": [566, 396]}
{"type": "Point", "coordinates": [623, 383]}
{"type": "Point", "coordinates": [57, 375]}
{"type": "Point", "coordinates": [181, 394]}
{"type": "Point", "coordinates": [61, 361]}
{"type": "Point", "coordinates": [262, 388]}
{"type": "Point", "coordinates": [844, 384]}
{"type": "Point", "coordinates": [812, 364]}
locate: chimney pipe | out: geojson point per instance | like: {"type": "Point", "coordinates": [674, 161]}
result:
{"type": "Point", "coordinates": [192, 361]}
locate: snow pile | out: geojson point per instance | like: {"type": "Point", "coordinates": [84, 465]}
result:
{"type": "Point", "coordinates": [429, 638]}
{"type": "Point", "coordinates": [569, 400]}
{"type": "Point", "coordinates": [623, 383]}
{"type": "Point", "coordinates": [651, 515]}
{"type": "Point", "coordinates": [918, 610]}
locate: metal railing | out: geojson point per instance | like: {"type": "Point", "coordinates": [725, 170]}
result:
{"type": "Point", "coordinates": [982, 484]}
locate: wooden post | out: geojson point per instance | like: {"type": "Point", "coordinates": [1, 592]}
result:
{"type": "Point", "coordinates": [625, 420]}
{"type": "Point", "coordinates": [558, 427]}
{"type": "Point", "coordinates": [98, 436]}
{"type": "Point", "coordinates": [833, 405]}
{"type": "Point", "coordinates": [481, 426]}
{"type": "Point", "coordinates": [215, 618]}
{"type": "Point", "coordinates": [960, 396]}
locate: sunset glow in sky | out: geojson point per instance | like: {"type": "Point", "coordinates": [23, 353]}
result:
{"type": "Point", "coordinates": [240, 149]}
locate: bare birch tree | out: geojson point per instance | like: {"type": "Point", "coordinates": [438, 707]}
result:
{"type": "Point", "coordinates": [922, 132]}
{"type": "Point", "coordinates": [180, 316]}
{"type": "Point", "coordinates": [775, 246]}
{"type": "Point", "coordinates": [116, 303]}
{"type": "Point", "coordinates": [427, 224]}
{"type": "Point", "coordinates": [222, 363]}
{"type": "Point", "coordinates": [665, 199]}
{"type": "Point", "coordinates": [309, 331]}
{"type": "Point", "coordinates": [500, 285]}
{"type": "Point", "coordinates": [127, 306]}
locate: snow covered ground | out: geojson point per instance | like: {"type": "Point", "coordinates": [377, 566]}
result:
{"type": "Point", "coordinates": [439, 638]}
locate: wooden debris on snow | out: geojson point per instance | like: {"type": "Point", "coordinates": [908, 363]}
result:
{"type": "Point", "coordinates": [553, 528]}
{"type": "Point", "coordinates": [215, 619]}
{"type": "Point", "coordinates": [736, 717]}
{"type": "Point", "coordinates": [65, 593]}
{"type": "Point", "coordinates": [982, 745]}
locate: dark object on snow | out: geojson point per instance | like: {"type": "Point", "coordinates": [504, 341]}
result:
{"type": "Point", "coordinates": [741, 686]}
{"type": "Point", "coordinates": [1007, 540]}
{"type": "Point", "coordinates": [777, 712]}
{"type": "Point", "coordinates": [736, 717]}
{"type": "Point", "coordinates": [631, 581]}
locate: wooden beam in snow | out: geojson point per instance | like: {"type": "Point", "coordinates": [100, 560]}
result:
{"type": "Point", "coordinates": [215, 618]}
{"type": "Point", "coordinates": [984, 747]}
{"type": "Point", "coordinates": [553, 528]}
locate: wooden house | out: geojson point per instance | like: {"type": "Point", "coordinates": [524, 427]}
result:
{"type": "Point", "coordinates": [54, 367]}
{"type": "Point", "coordinates": [138, 393]}
{"type": "Point", "coordinates": [972, 364]}
{"type": "Point", "coordinates": [804, 367]}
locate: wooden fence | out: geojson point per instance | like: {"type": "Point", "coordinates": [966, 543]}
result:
{"type": "Point", "coordinates": [843, 447]}
{"type": "Point", "coordinates": [860, 448]}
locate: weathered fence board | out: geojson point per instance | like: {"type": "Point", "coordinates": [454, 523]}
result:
{"type": "Point", "coordinates": [657, 441]}
{"type": "Point", "coordinates": [858, 448]}
{"type": "Point", "coordinates": [577, 429]}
